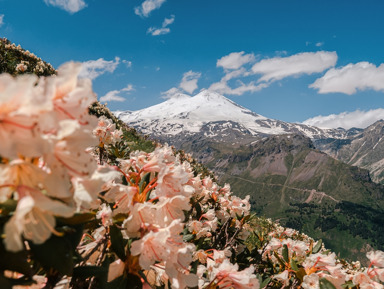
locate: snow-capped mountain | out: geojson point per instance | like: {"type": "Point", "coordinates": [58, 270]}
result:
{"type": "Point", "coordinates": [215, 116]}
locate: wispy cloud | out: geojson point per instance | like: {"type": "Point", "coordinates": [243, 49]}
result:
{"type": "Point", "coordinates": [127, 63]}
{"type": "Point", "coordinates": [172, 93]}
{"type": "Point", "coordinates": [188, 84]}
{"type": "Point", "coordinates": [277, 68]}
{"type": "Point", "coordinates": [189, 81]}
{"type": "Point", "coordinates": [350, 78]}
{"type": "Point", "coordinates": [71, 6]}
{"type": "Point", "coordinates": [94, 68]}
{"type": "Point", "coordinates": [1, 19]}
{"type": "Point", "coordinates": [147, 7]}
{"type": "Point", "coordinates": [164, 28]}
{"type": "Point", "coordinates": [235, 60]}
{"type": "Point", "coordinates": [358, 118]}
{"type": "Point", "coordinates": [222, 87]}
{"type": "Point", "coordinates": [319, 44]}
{"type": "Point", "coordinates": [114, 95]}
{"type": "Point", "coordinates": [272, 69]}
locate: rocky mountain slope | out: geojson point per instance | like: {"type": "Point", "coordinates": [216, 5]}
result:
{"type": "Point", "coordinates": [288, 179]}
{"type": "Point", "coordinates": [185, 119]}
{"type": "Point", "coordinates": [364, 149]}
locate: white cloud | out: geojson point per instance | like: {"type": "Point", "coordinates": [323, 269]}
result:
{"type": "Point", "coordinates": [114, 95]}
{"type": "Point", "coordinates": [164, 29]}
{"type": "Point", "coordinates": [188, 84]}
{"type": "Point", "coordinates": [235, 60]}
{"type": "Point", "coordinates": [71, 6]}
{"type": "Point", "coordinates": [189, 81]}
{"type": "Point", "coordinates": [94, 68]}
{"type": "Point", "coordinates": [1, 19]}
{"type": "Point", "coordinates": [235, 74]}
{"type": "Point", "coordinates": [158, 31]}
{"type": "Point", "coordinates": [127, 63]}
{"type": "Point", "coordinates": [168, 21]}
{"type": "Point", "coordinates": [350, 78]}
{"type": "Point", "coordinates": [319, 44]}
{"type": "Point", "coordinates": [148, 6]}
{"type": "Point", "coordinates": [171, 93]}
{"type": "Point", "coordinates": [222, 87]}
{"type": "Point", "coordinates": [358, 118]}
{"type": "Point", "coordinates": [302, 63]}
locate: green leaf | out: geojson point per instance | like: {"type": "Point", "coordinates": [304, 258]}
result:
{"type": "Point", "coordinates": [265, 282]}
{"type": "Point", "coordinates": [118, 283]}
{"type": "Point", "coordinates": [76, 219]}
{"type": "Point", "coordinates": [7, 207]}
{"type": "Point", "coordinates": [74, 235]}
{"type": "Point", "coordinates": [259, 278]}
{"type": "Point", "coordinates": [279, 259]}
{"type": "Point", "coordinates": [286, 253]}
{"type": "Point", "coordinates": [198, 211]}
{"type": "Point", "coordinates": [325, 284]}
{"type": "Point", "coordinates": [85, 272]}
{"type": "Point", "coordinates": [55, 253]}
{"type": "Point", "coordinates": [118, 243]}
{"type": "Point", "coordinates": [188, 237]}
{"type": "Point", "coordinates": [294, 265]}
{"type": "Point", "coordinates": [8, 283]}
{"type": "Point", "coordinates": [300, 274]}
{"type": "Point", "coordinates": [144, 182]}
{"type": "Point", "coordinates": [317, 247]}
{"type": "Point", "coordinates": [194, 266]}
{"type": "Point", "coordinates": [14, 261]}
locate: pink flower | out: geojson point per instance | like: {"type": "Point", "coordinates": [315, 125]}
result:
{"type": "Point", "coordinates": [70, 147]}
{"type": "Point", "coordinates": [283, 277]}
{"type": "Point", "coordinates": [311, 282]}
{"type": "Point", "coordinates": [105, 214]}
{"type": "Point", "coordinates": [169, 209]}
{"type": "Point", "coordinates": [376, 258]}
{"type": "Point", "coordinates": [228, 276]}
{"type": "Point", "coordinates": [72, 96]}
{"type": "Point", "coordinates": [155, 245]}
{"type": "Point", "coordinates": [34, 219]}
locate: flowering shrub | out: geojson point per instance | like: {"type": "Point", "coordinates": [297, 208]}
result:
{"type": "Point", "coordinates": [15, 60]}
{"type": "Point", "coordinates": [80, 208]}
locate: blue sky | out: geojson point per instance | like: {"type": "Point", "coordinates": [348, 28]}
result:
{"type": "Point", "coordinates": [314, 61]}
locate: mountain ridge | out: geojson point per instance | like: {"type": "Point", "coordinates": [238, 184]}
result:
{"type": "Point", "coordinates": [188, 115]}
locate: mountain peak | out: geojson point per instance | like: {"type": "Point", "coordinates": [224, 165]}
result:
{"type": "Point", "coordinates": [212, 115]}
{"type": "Point", "coordinates": [210, 95]}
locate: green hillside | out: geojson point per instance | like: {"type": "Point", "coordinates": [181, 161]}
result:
{"type": "Point", "coordinates": [292, 182]}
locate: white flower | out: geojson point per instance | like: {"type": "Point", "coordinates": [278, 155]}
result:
{"type": "Point", "coordinates": [34, 219]}
{"type": "Point", "coordinates": [376, 258]}
{"type": "Point", "coordinates": [311, 282]}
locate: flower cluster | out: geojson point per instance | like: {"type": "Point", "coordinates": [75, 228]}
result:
{"type": "Point", "coordinates": [107, 133]}
{"type": "Point", "coordinates": [297, 260]}
{"type": "Point", "coordinates": [177, 224]}
{"type": "Point", "coordinates": [45, 130]}
{"type": "Point", "coordinates": [26, 62]}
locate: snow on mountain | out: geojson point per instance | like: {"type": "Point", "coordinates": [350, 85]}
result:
{"type": "Point", "coordinates": [213, 114]}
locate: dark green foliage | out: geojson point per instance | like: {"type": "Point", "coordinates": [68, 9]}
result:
{"type": "Point", "coordinates": [11, 56]}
